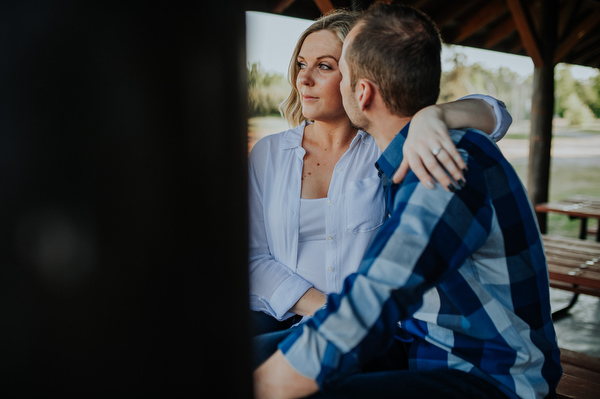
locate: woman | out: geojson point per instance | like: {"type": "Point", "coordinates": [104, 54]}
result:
{"type": "Point", "coordinates": [315, 198]}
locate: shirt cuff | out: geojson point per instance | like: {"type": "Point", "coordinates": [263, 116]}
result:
{"type": "Point", "coordinates": [287, 294]}
{"type": "Point", "coordinates": [503, 118]}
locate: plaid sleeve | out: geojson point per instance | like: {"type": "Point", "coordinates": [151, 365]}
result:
{"type": "Point", "coordinates": [429, 233]}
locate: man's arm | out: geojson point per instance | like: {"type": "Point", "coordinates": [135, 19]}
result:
{"type": "Point", "coordinates": [276, 379]}
{"type": "Point", "coordinates": [362, 320]}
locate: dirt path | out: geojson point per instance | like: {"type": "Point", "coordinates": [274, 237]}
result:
{"type": "Point", "coordinates": [583, 148]}
{"type": "Point", "coordinates": [578, 148]}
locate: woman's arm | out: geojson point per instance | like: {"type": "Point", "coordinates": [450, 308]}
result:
{"type": "Point", "coordinates": [430, 152]}
{"type": "Point", "coordinates": [274, 287]}
{"type": "Point", "coordinates": [309, 303]}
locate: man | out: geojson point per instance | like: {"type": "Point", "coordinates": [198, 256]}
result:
{"type": "Point", "coordinates": [451, 299]}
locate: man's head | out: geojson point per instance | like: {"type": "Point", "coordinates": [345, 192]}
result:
{"type": "Point", "coordinates": [396, 49]}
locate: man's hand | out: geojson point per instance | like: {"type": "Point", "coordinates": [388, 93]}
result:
{"type": "Point", "coordinates": [276, 379]}
{"type": "Point", "coordinates": [428, 150]}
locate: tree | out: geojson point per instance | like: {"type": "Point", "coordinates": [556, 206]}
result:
{"type": "Point", "coordinates": [265, 91]}
{"type": "Point", "coordinates": [572, 98]}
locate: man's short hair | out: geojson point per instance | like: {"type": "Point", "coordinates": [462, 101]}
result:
{"type": "Point", "coordinates": [398, 48]}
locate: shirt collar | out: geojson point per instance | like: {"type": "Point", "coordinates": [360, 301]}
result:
{"type": "Point", "coordinates": [293, 137]}
{"type": "Point", "coordinates": [392, 156]}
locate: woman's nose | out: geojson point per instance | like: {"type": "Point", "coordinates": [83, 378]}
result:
{"type": "Point", "coordinates": [305, 78]}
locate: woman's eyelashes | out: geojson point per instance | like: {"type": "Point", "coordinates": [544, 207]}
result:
{"type": "Point", "coordinates": [322, 66]}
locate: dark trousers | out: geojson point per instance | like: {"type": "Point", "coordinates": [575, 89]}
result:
{"type": "Point", "coordinates": [262, 323]}
{"type": "Point", "coordinates": [388, 377]}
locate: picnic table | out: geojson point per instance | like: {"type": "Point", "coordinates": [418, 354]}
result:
{"type": "Point", "coordinates": [579, 206]}
{"type": "Point", "coordinates": [573, 265]}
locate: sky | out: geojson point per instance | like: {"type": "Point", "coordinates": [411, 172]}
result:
{"type": "Point", "coordinates": [270, 41]}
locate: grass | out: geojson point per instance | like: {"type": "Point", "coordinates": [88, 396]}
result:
{"type": "Point", "coordinates": [568, 178]}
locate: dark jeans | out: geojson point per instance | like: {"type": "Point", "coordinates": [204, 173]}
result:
{"type": "Point", "coordinates": [388, 377]}
{"type": "Point", "coordinates": [262, 323]}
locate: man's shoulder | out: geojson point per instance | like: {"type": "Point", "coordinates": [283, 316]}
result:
{"type": "Point", "coordinates": [468, 133]}
{"type": "Point", "coordinates": [474, 141]}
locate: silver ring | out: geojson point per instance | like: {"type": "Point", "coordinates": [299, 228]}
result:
{"type": "Point", "coordinates": [436, 151]}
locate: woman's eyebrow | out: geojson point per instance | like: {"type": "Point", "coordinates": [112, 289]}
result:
{"type": "Point", "coordinates": [321, 57]}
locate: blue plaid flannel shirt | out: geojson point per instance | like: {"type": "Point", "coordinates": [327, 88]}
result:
{"type": "Point", "coordinates": [463, 274]}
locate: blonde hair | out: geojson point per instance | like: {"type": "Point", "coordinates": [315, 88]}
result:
{"type": "Point", "coordinates": [339, 22]}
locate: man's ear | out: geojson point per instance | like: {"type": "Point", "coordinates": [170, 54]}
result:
{"type": "Point", "coordinates": [365, 92]}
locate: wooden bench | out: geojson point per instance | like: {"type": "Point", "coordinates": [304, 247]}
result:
{"type": "Point", "coordinates": [581, 376]}
{"type": "Point", "coordinates": [573, 265]}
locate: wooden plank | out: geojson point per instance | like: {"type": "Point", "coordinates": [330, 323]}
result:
{"type": "Point", "coordinates": [281, 5]}
{"type": "Point", "coordinates": [581, 373]}
{"type": "Point", "coordinates": [576, 35]}
{"type": "Point", "coordinates": [324, 6]}
{"type": "Point", "coordinates": [574, 288]}
{"type": "Point", "coordinates": [576, 280]}
{"type": "Point", "coordinates": [526, 31]}
{"type": "Point", "coordinates": [486, 15]}
{"type": "Point", "coordinates": [568, 242]}
{"type": "Point", "coordinates": [500, 32]}
{"type": "Point", "coordinates": [573, 265]}
{"type": "Point", "coordinates": [579, 210]}
{"type": "Point", "coordinates": [580, 359]}
{"type": "Point", "coordinates": [574, 387]}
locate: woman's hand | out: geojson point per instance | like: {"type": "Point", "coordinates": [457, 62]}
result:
{"type": "Point", "coordinates": [429, 151]}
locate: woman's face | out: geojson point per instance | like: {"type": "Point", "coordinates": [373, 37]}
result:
{"type": "Point", "coordinates": [319, 77]}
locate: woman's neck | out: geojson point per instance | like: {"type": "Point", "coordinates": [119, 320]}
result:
{"type": "Point", "coordinates": [331, 135]}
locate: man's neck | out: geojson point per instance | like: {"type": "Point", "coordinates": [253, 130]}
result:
{"type": "Point", "coordinates": [386, 129]}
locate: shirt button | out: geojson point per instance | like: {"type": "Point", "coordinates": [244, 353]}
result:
{"type": "Point", "coordinates": [340, 170]}
{"type": "Point", "coordinates": [330, 202]}
{"type": "Point", "coordinates": [330, 269]}
{"type": "Point", "coordinates": [330, 238]}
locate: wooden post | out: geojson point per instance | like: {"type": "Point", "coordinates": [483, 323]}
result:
{"type": "Point", "coordinates": [542, 110]}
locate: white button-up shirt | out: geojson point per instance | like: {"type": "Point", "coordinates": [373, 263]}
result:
{"type": "Point", "coordinates": [355, 211]}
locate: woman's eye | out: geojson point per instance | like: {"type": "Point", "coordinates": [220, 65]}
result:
{"type": "Point", "coordinates": [301, 65]}
{"type": "Point", "coordinates": [324, 66]}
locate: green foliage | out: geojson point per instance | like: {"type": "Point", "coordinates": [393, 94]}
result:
{"type": "Point", "coordinates": [503, 84]}
{"type": "Point", "coordinates": [265, 91]}
{"type": "Point", "coordinates": [577, 102]}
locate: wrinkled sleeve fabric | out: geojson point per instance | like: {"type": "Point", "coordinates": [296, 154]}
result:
{"type": "Point", "coordinates": [274, 287]}
{"type": "Point", "coordinates": [503, 118]}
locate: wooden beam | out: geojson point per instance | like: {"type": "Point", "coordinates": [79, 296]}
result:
{"type": "Point", "coordinates": [578, 33]}
{"type": "Point", "coordinates": [542, 110]}
{"type": "Point", "coordinates": [500, 32]}
{"type": "Point", "coordinates": [567, 15]}
{"type": "Point", "coordinates": [586, 54]}
{"type": "Point", "coordinates": [324, 6]}
{"type": "Point", "coordinates": [486, 15]}
{"type": "Point", "coordinates": [451, 12]}
{"type": "Point", "coordinates": [281, 5]}
{"type": "Point", "coordinates": [526, 31]}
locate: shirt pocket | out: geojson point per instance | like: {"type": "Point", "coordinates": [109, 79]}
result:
{"type": "Point", "coordinates": [365, 206]}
